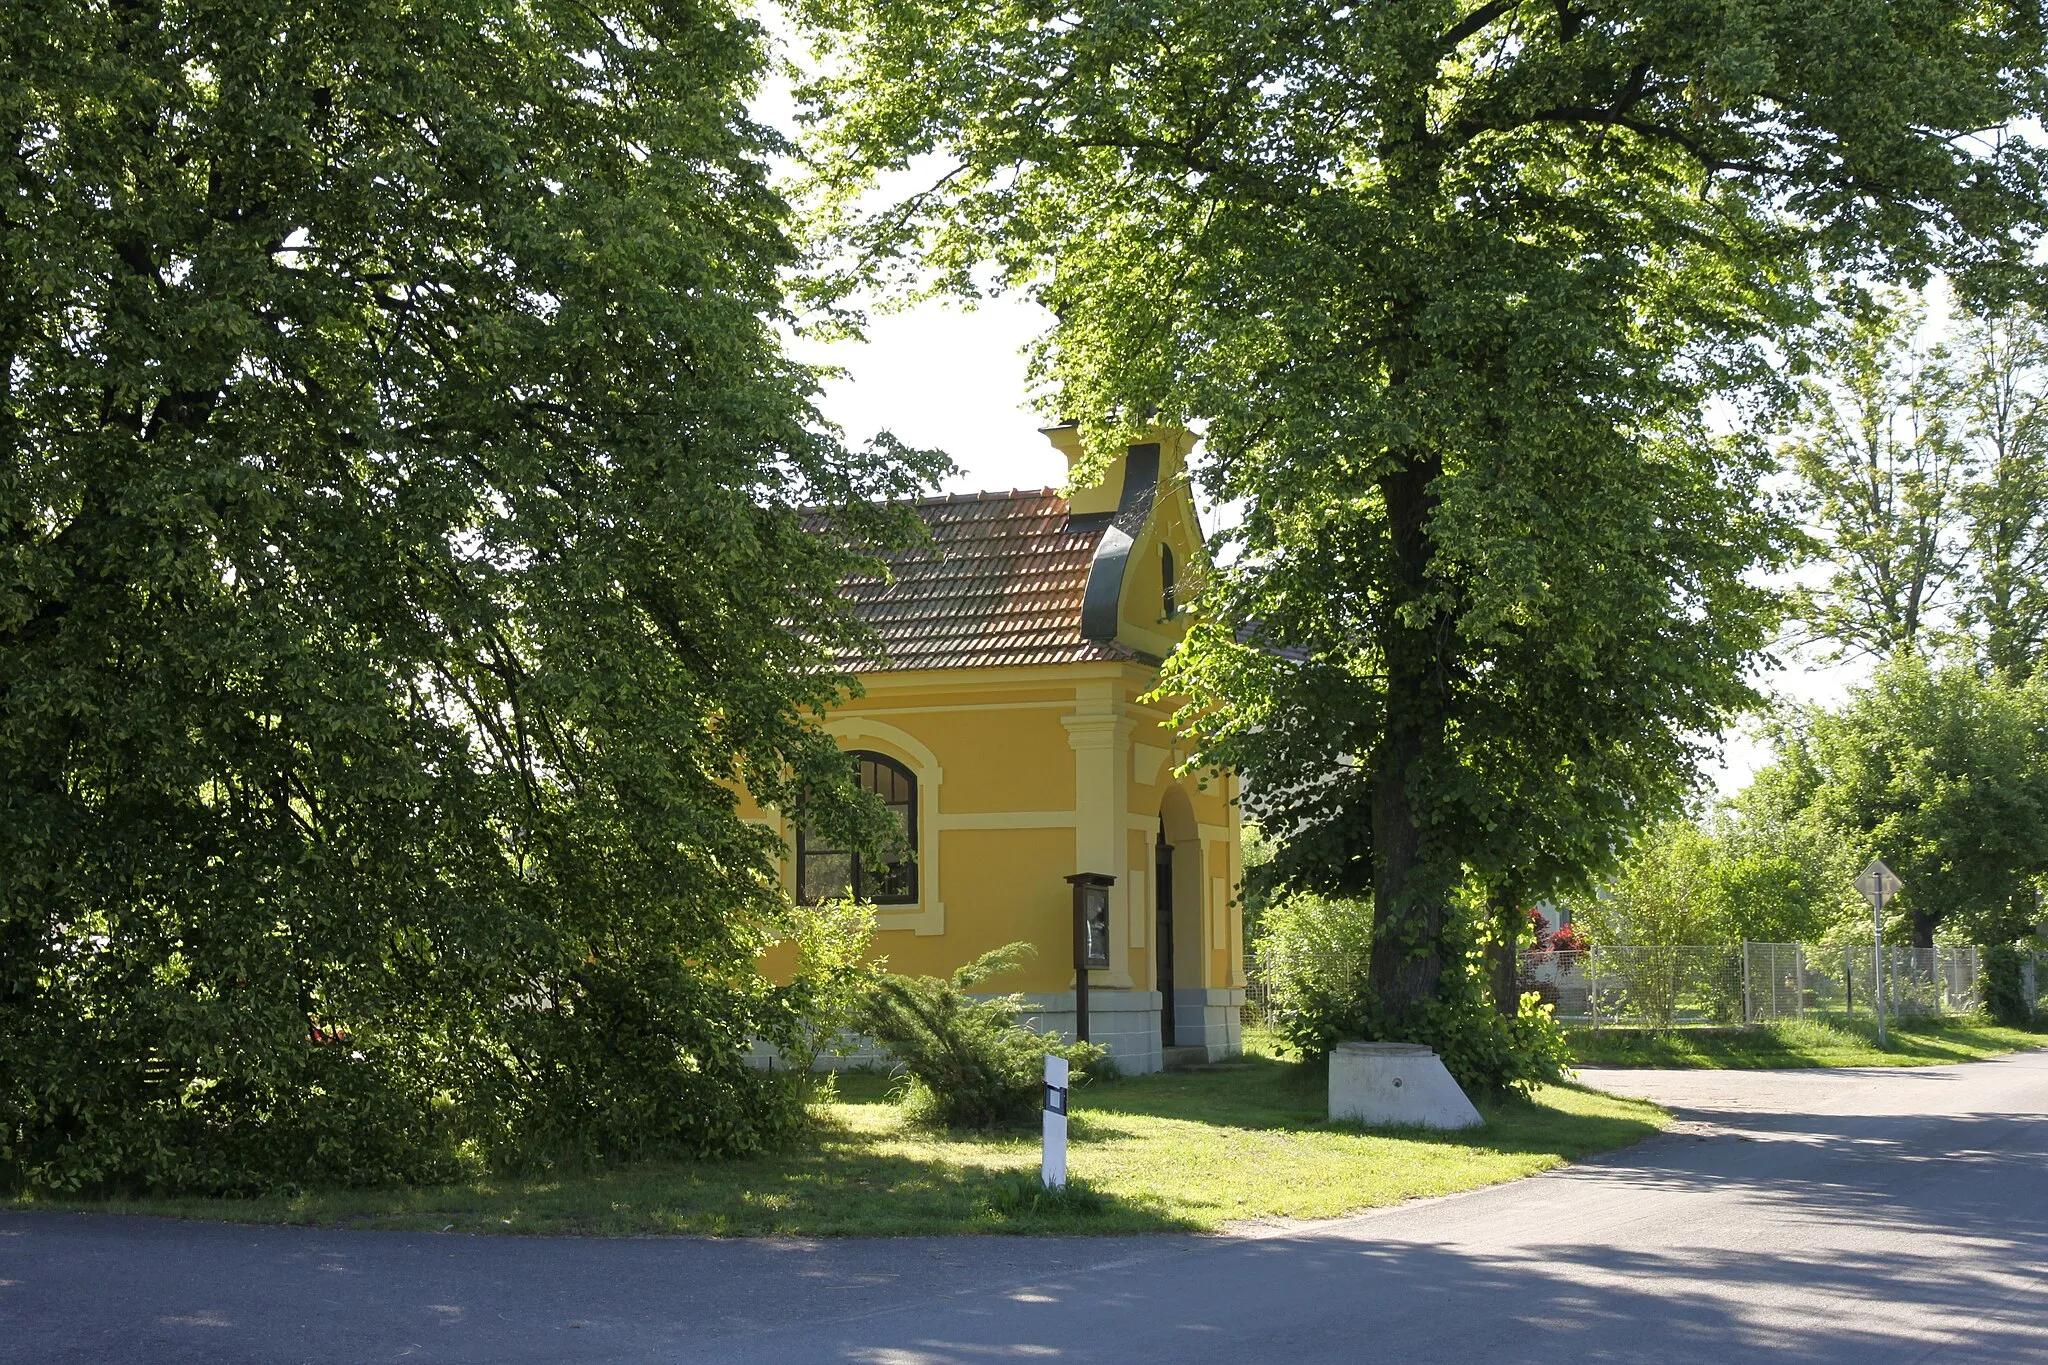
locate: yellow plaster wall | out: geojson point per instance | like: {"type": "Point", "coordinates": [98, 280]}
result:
{"type": "Point", "coordinates": [1208, 858]}
{"type": "Point", "coordinates": [1031, 782]}
{"type": "Point", "coordinates": [1141, 607]}
{"type": "Point", "coordinates": [979, 750]}
{"type": "Point", "coordinates": [1001, 886]}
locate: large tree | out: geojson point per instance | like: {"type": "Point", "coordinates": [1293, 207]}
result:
{"type": "Point", "coordinates": [1923, 470]}
{"type": "Point", "coordinates": [1452, 283]}
{"type": "Point", "coordinates": [1943, 773]}
{"type": "Point", "coordinates": [1885, 471]}
{"type": "Point", "coordinates": [403, 558]}
{"type": "Point", "coordinates": [2004, 380]}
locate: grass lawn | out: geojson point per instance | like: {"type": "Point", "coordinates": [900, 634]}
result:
{"type": "Point", "coordinates": [1184, 1151]}
{"type": "Point", "coordinates": [1808, 1042]}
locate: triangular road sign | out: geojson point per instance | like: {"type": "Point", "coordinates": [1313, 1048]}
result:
{"type": "Point", "coordinates": [1877, 882]}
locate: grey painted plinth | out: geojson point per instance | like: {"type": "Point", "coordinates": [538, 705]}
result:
{"type": "Point", "coordinates": [1396, 1083]}
{"type": "Point", "coordinates": [1125, 1022]}
{"type": "Point", "coordinates": [1210, 1017]}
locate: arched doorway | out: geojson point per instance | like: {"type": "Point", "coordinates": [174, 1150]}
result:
{"type": "Point", "coordinates": [1177, 917]}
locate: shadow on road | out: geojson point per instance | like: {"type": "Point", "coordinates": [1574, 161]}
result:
{"type": "Point", "coordinates": [1798, 1236]}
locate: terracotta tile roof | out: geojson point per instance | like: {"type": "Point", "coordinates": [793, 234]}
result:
{"type": "Point", "coordinates": [1000, 584]}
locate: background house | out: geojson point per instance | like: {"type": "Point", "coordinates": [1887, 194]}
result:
{"type": "Point", "coordinates": [1006, 729]}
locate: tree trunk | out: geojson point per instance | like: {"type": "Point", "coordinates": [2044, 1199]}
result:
{"type": "Point", "coordinates": [1508, 922]}
{"type": "Point", "coordinates": [1923, 929]}
{"type": "Point", "coordinates": [1409, 891]}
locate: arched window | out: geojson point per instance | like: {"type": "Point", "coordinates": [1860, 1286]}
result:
{"type": "Point", "coordinates": [1166, 581]}
{"type": "Point", "coordinates": [828, 873]}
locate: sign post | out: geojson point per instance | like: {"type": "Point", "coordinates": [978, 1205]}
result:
{"type": "Point", "coordinates": [1052, 1166]}
{"type": "Point", "coordinates": [1878, 884]}
{"type": "Point", "coordinates": [1091, 939]}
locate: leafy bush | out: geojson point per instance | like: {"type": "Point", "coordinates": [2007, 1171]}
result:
{"type": "Point", "coordinates": [971, 1063]}
{"type": "Point", "coordinates": [1318, 949]}
{"type": "Point", "coordinates": [1748, 871]}
{"type": "Point", "coordinates": [2005, 996]}
{"type": "Point", "coordinates": [1312, 952]}
{"type": "Point", "coordinates": [1484, 1050]}
{"type": "Point", "coordinates": [832, 981]}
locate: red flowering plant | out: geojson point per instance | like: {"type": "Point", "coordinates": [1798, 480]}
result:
{"type": "Point", "coordinates": [1563, 939]}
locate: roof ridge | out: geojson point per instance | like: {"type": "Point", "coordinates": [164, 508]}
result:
{"type": "Point", "coordinates": [985, 495]}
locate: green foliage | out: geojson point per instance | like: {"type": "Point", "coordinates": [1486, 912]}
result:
{"type": "Point", "coordinates": [1925, 467]}
{"type": "Point", "coordinates": [1938, 768]}
{"type": "Point", "coordinates": [1312, 952]}
{"type": "Point", "coordinates": [1258, 885]}
{"type": "Point", "coordinates": [2003, 374]}
{"type": "Point", "coordinates": [1485, 1050]}
{"type": "Point", "coordinates": [1742, 875]}
{"type": "Point", "coordinates": [833, 978]}
{"type": "Point", "coordinates": [1659, 894]}
{"type": "Point", "coordinates": [1453, 286]}
{"type": "Point", "coordinates": [2005, 993]}
{"type": "Point", "coordinates": [1315, 953]}
{"type": "Point", "coordinates": [971, 1063]}
{"type": "Point", "coordinates": [408, 547]}
{"type": "Point", "coordinates": [1942, 772]}
{"type": "Point", "coordinates": [1883, 471]}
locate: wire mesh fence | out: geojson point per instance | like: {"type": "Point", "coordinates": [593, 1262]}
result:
{"type": "Point", "coordinates": [1670, 987]}
{"type": "Point", "coordinates": [1698, 985]}
{"type": "Point", "coordinates": [1271, 977]}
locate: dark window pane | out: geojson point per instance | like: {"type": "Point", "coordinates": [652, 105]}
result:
{"type": "Point", "coordinates": [888, 782]}
{"type": "Point", "coordinates": [891, 879]}
{"type": "Point", "coordinates": [891, 883]}
{"type": "Point", "coordinates": [825, 875]}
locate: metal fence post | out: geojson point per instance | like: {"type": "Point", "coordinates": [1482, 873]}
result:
{"type": "Point", "coordinates": [1799, 980]}
{"type": "Point", "coordinates": [1593, 986]}
{"type": "Point", "coordinates": [1748, 999]}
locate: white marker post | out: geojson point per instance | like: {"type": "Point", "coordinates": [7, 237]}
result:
{"type": "Point", "coordinates": [1878, 884]}
{"type": "Point", "coordinates": [1053, 1167]}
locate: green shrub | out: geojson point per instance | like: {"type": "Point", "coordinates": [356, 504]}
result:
{"type": "Point", "coordinates": [2005, 996]}
{"type": "Point", "coordinates": [1312, 952]}
{"type": "Point", "coordinates": [1316, 953]}
{"type": "Point", "coordinates": [1484, 1050]}
{"type": "Point", "coordinates": [971, 1063]}
{"type": "Point", "coordinates": [832, 981]}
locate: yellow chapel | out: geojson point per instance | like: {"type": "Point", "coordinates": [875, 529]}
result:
{"type": "Point", "coordinates": [1005, 728]}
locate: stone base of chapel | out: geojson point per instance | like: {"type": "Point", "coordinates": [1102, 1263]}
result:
{"type": "Point", "coordinates": [1125, 1022]}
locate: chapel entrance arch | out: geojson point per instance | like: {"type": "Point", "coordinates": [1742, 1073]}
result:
{"type": "Point", "coordinates": [1177, 927]}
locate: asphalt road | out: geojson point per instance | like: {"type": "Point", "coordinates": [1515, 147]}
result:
{"type": "Point", "coordinates": [1857, 1216]}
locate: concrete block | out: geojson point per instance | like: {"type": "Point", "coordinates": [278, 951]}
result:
{"type": "Point", "coordinates": [1396, 1083]}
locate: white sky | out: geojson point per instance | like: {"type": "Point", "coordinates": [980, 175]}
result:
{"type": "Point", "coordinates": [949, 378]}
